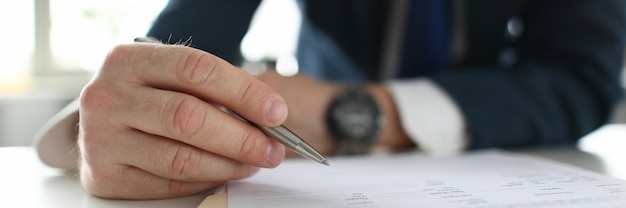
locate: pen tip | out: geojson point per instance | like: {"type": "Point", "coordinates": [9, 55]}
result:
{"type": "Point", "coordinates": [325, 162]}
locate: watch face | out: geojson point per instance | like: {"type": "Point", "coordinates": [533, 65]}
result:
{"type": "Point", "coordinates": [354, 117]}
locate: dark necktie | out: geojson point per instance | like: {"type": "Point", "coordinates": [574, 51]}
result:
{"type": "Point", "coordinates": [426, 42]}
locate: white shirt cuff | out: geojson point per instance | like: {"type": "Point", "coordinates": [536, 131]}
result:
{"type": "Point", "coordinates": [429, 116]}
{"type": "Point", "coordinates": [55, 140]}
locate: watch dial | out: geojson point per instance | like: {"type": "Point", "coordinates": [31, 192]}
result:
{"type": "Point", "coordinates": [357, 119]}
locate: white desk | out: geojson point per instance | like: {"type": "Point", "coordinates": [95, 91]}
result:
{"type": "Point", "coordinates": [26, 182]}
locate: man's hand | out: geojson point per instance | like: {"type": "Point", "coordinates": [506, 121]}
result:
{"type": "Point", "coordinates": [149, 126]}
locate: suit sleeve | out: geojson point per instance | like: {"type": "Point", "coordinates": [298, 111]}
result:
{"type": "Point", "coordinates": [564, 84]}
{"type": "Point", "coordinates": [213, 26]}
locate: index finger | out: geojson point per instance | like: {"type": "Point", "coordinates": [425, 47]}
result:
{"type": "Point", "coordinates": [198, 73]}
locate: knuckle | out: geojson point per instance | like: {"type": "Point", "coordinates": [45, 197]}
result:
{"type": "Point", "coordinates": [96, 102]}
{"type": "Point", "coordinates": [118, 54]}
{"type": "Point", "coordinates": [175, 188]}
{"type": "Point", "coordinates": [246, 91]}
{"type": "Point", "coordinates": [184, 162]}
{"type": "Point", "coordinates": [93, 96]}
{"type": "Point", "coordinates": [196, 68]}
{"type": "Point", "coordinates": [100, 92]}
{"type": "Point", "coordinates": [97, 183]}
{"type": "Point", "coordinates": [188, 117]}
{"type": "Point", "coordinates": [248, 145]}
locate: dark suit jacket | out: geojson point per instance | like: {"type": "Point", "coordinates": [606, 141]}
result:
{"type": "Point", "coordinates": [554, 83]}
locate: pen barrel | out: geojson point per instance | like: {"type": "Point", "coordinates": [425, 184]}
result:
{"type": "Point", "coordinates": [284, 136]}
{"type": "Point", "coordinates": [280, 133]}
{"type": "Point", "coordinates": [292, 141]}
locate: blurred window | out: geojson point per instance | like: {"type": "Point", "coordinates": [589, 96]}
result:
{"type": "Point", "coordinates": [71, 37]}
{"type": "Point", "coordinates": [53, 37]}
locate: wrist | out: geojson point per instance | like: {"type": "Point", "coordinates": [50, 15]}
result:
{"type": "Point", "coordinates": [362, 116]}
{"type": "Point", "coordinates": [391, 133]}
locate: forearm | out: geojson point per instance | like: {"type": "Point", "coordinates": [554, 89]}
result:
{"type": "Point", "coordinates": [562, 84]}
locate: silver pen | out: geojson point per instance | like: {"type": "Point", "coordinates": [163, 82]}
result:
{"type": "Point", "coordinates": [285, 136]}
{"type": "Point", "coordinates": [281, 133]}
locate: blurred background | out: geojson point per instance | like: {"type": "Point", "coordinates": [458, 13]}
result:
{"type": "Point", "coordinates": [52, 48]}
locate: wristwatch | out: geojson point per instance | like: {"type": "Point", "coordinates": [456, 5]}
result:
{"type": "Point", "coordinates": [354, 119]}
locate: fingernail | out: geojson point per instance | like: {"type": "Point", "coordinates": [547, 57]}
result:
{"type": "Point", "coordinates": [275, 153]}
{"type": "Point", "coordinates": [277, 111]}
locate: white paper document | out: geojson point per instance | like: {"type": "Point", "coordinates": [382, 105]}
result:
{"type": "Point", "coordinates": [487, 179]}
